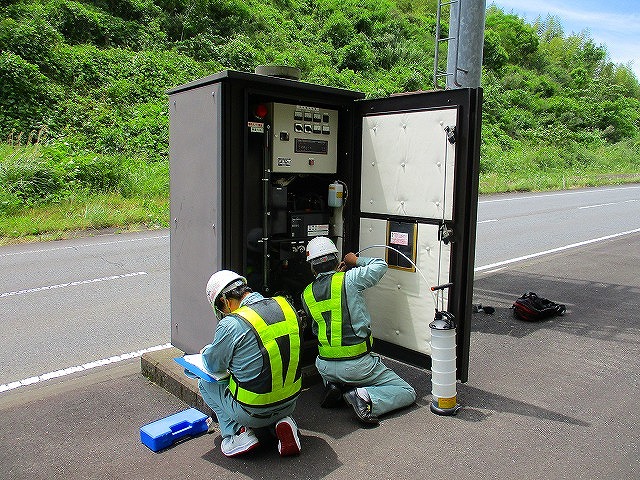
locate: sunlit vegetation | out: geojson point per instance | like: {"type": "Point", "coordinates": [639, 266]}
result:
{"type": "Point", "coordinates": [84, 121]}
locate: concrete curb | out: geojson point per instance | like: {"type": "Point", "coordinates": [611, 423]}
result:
{"type": "Point", "coordinates": [160, 368]}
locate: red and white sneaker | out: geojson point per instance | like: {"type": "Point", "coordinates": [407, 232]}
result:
{"type": "Point", "coordinates": [288, 440]}
{"type": "Point", "coordinates": [239, 443]}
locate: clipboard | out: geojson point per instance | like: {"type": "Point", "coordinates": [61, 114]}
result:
{"type": "Point", "coordinates": [194, 364]}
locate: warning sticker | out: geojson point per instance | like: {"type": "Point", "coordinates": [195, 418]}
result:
{"type": "Point", "coordinates": [256, 127]}
{"type": "Point", "coordinates": [399, 238]}
{"type": "Point", "coordinates": [284, 162]}
{"type": "Point", "coordinates": [319, 229]}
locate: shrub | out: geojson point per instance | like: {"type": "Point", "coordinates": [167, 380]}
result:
{"type": "Point", "coordinates": [237, 53]}
{"type": "Point", "coordinates": [338, 29]}
{"type": "Point", "coordinates": [32, 40]}
{"type": "Point", "coordinates": [144, 180]}
{"type": "Point", "coordinates": [356, 55]}
{"type": "Point", "coordinates": [28, 178]}
{"type": "Point", "coordinates": [9, 202]}
{"type": "Point", "coordinates": [494, 55]}
{"type": "Point", "coordinates": [82, 22]}
{"type": "Point", "coordinates": [27, 96]}
{"type": "Point", "coordinates": [99, 173]}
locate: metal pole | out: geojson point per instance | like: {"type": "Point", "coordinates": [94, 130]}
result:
{"type": "Point", "coordinates": [464, 57]}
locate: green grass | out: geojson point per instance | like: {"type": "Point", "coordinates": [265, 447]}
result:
{"type": "Point", "coordinates": [51, 192]}
{"type": "Point", "coordinates": [542, 166]}
{"type": "Point", "coordinates": [75, 218]}
{"type": "Point", "coordinates": [495, 183]}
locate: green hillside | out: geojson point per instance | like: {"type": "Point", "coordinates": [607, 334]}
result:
{"type": "Point", "coordinates": [84, 126]}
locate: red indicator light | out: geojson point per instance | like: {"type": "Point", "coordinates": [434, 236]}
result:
{"type": "Point", "coordinates": [261, 110]}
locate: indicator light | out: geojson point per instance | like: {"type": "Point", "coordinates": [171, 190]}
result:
{"type": "Point", "coordinates": [261, 110]}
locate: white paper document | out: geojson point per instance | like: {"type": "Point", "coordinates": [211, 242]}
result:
{"type": "Point", "coordinates": [195, 365]}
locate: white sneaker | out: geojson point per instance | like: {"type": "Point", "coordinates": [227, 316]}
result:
{"type": "Point", "coordinates": [288, 440]}
{"type": "Point", "coordinates": [238, 444]}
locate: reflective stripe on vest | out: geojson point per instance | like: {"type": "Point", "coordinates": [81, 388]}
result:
{"type": "Point", "coordinates": [332, 348]}
{"type": "Point", "coordinates": [278, 382]}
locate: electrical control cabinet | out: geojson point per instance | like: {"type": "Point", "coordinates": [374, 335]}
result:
{"type": "Point", "coordinates": [260, 165]}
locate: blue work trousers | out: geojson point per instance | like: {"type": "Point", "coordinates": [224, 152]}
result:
{"type": "Point", "coordinates": [387, 390]}
{"type": "Point", "coordinates": [231, 415]}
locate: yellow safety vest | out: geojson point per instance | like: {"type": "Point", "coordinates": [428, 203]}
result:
{"type": "Point", "coordinates": [271, 319]}
{"type": "Point", "coordinates": [327, 298]}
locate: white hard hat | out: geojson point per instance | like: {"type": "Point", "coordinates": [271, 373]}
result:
{"type": "Point", "coordinates": [319, 249]}
{"type": "Point", "coordinates": [223, 282]}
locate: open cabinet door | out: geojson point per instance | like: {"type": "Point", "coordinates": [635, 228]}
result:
{"type": "Point", "coordinates": [417, 190]}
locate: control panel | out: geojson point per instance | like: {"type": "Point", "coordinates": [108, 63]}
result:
{"type": "Point", "coordinates": [304, 138]}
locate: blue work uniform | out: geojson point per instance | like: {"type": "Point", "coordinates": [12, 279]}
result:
{"type": "Point", "coordinates": [386, 389]}
{"type": "Point", "coordinates": [235, 348]}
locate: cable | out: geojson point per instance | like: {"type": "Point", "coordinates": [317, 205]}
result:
{"type": "Point", "coordinates": [346, 192]}
{"type": "Point", "coordinates": [444, 204]}
{"type": "Point", "coordinates": [435, 298]}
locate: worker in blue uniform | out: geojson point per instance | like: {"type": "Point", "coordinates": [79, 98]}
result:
{"type": "Point", "coordinates": [257, 340]}
{"type": "Point", "coordinates": [335, 303]}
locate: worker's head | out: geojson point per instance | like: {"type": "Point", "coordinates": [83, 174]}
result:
{"type": "Point", "coordinates": [322, 255]}
{"type": "Point", "coordinates": [223, 288]}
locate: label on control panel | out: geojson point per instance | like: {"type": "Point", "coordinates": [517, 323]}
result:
{"type": "Point", "coordinates": [318, 230]}
{"type": "Point", "coordinates": [256, 127]}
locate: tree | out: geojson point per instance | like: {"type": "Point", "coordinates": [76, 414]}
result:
{"type": "Point", "coordinates": [494, 56]}
{"type": "Point", "coordinates": [518, 39]}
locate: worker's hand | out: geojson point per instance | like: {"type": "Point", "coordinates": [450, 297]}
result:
{"type": "Point", "coordinates": [350, 260]}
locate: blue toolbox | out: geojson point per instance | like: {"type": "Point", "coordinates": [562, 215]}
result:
{"type": "Point", "coordinates": [162, 433]}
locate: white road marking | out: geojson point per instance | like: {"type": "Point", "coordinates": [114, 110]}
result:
{"type": "Point", "coordinates": [553, 250]}
{"type": "Point", "coordinates": [488, 221]}
{"type": "Point", "coordinates": [495, 270]}
{"type": "Point", "coordinates": [70, 284]}
{"type": "Point", "coordinates": [606, 204]}
{"type": "Point", "coordinates": [79, 368]}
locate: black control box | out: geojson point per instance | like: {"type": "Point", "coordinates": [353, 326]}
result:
{"type": "Point", "coordinates": [308, 224]}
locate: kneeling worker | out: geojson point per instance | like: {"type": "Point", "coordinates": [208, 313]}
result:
{"type": "Point", "coordinates": [257, 340]}
{"type": "Point", "coordinates": [336, 304]}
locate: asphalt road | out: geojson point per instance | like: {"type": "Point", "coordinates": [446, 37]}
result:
{"type": "Point", "coordinates": [515, 225]}
{"type": "Point", "coordinates": [71, 303]}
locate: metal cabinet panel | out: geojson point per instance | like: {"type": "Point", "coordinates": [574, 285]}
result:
{"type": "Point", "coordinates": [406, 160]}
{"type": "Point", "coordinates": [196, 211]}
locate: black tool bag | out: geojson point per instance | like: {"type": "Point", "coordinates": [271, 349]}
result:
{"type": "Point", "coordinates": [531, 307]}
